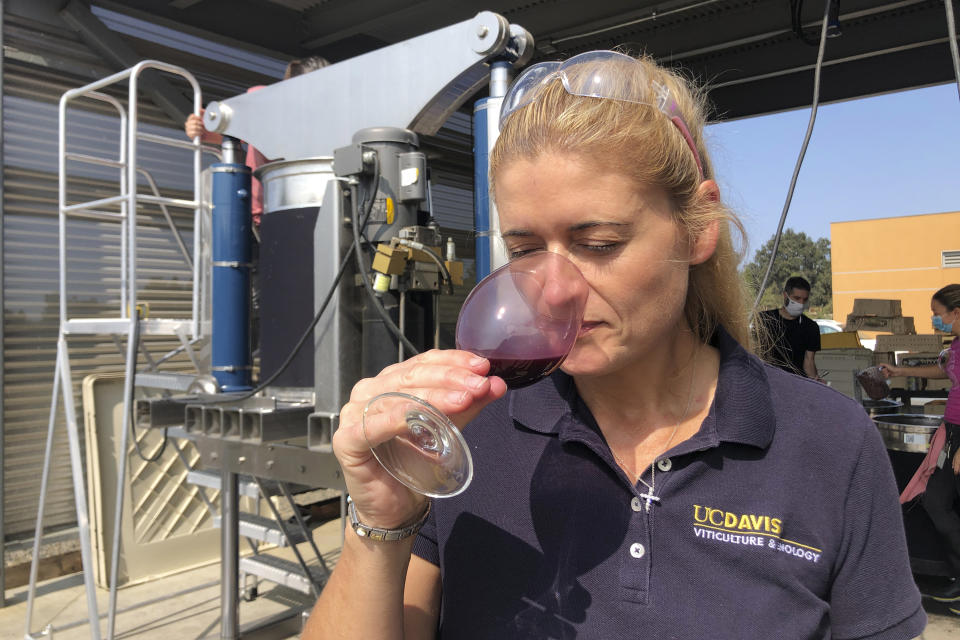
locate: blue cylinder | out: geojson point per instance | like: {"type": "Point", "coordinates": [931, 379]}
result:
{"type": "Point", "coordinates": [481, 187]}
{"type": "Point", "coordinates": [231, 359]}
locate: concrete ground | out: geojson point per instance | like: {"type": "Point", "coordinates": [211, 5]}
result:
{"type": "Point", "coordinates": [182, 606]}
{"type": "Point", "coordinates": [187, 606]}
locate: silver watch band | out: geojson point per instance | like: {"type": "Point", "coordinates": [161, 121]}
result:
{"type": "Point", "coordinates": [384, 535]}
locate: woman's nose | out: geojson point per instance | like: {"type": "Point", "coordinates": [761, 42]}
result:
{"type": "Point", "coordinates": [563, 286]}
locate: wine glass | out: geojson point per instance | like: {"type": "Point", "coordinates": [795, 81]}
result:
{"type": "Point", "coordinates": [524, 318]}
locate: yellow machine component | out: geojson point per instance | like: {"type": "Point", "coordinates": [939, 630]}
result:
{"type": "Point", "coordinates": [390, 260]}
{"type": "Point", "coordinates": [143, 308]}
{"type": "Point", "coordinates": [421, 256]}
{"type": "Point", "coordinates": [391, 210]}
{"type": "Point", "coordinates": [455, 267]}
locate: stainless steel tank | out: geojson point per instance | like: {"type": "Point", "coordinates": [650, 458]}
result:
{"type": "Point", "coordinates": [880, 407]}
{"type": "Point", "coordinates": [907, 432]}
{"type": "Point", "coordinates": [293, 184]}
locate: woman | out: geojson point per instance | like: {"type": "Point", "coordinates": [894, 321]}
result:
{"type": "Point", "coordinates": [193, 127]}
{"type": "Point", "coordinates": [938, 478]}
{"type": "Point", "coordinates": [665, 483]}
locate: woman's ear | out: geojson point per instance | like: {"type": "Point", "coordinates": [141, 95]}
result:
{"type": "Point", "coordinates": [705, 243]}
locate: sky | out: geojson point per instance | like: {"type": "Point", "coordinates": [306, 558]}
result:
{"type": "Point", "coordinates": [878, 157]}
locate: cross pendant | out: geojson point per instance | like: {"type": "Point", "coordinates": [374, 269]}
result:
{"type": "Point", "coordinates": [650, 498]}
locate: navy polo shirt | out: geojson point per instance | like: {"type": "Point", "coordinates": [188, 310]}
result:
{"type": "Point", "coordinates": [779, 518]}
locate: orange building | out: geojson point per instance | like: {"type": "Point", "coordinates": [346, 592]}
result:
{"type": "Point", "coordinates": [906, 258]}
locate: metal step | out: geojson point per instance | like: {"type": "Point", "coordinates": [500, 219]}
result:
{"type": "Point", "coordinates": [280, 571]}
{"type": "Point", "coordinates": [211, 480]}
{"type": "Point", "coordinates": [265, 530]}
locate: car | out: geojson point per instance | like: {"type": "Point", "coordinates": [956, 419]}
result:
{"type": "Point", "coordinates": [829, 326]}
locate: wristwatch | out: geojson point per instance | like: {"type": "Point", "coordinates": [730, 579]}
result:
{"type": "Point", "coordinates": [384, 535]}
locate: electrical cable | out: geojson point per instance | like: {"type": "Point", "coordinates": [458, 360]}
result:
{"type": "Point", "coordinates": [803, 152]}
{"type": "Point", "coordinates": [362, 268]}
{"type": "Point", "coordinates": [444, 272]}
{"type": "Point", "coordinates": [952, 30]}
{"type": "Point", "coordinates": [796, 20]}
{"type": "Point", "coordinates": [133, 414]}
{"type": "Point", "coordinates": [354, 205]}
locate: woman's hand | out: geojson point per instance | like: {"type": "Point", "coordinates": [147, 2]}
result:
{"type": "Point", "coordinates": [193, 126]}
{"type": "Point", "coordinates": [453, 381]}
{"type": "Point", "coordinates": [890, 371]}
{"type": "Point", "coordinates": [956, 463]}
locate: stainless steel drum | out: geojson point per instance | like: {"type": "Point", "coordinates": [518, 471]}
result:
{"type": "Point", "coordinates": [907, 432]}
{"type": "Point", "coordinates": [880, 407]}
{"type": "Point", "coordinates": [292, 184]}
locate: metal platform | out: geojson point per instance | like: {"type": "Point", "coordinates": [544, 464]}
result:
{"type": "Point", "coordinates": [282, 572]}
{"type": "Point", "coordinates": [266, 530]}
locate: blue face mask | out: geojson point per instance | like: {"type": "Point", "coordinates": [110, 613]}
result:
{"type": "Point", "coordinates": [939, 324]}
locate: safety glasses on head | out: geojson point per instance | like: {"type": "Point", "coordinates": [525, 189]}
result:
{"type": "Point", "coordinates": [595, 74]}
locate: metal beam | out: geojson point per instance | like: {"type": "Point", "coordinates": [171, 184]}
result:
{"type": "Point", "coordinates": [112, 47]}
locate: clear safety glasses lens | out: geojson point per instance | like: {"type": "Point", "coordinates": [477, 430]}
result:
{"type": "Point", "coordinates": [596, 74]}
{"type": "Point", "coordinates": [588, 75]}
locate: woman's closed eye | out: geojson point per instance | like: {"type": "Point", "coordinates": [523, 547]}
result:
{"type": "Point", "coordinates": [600, 247]}
{"type": "Point", "coordinates": [515, 252]}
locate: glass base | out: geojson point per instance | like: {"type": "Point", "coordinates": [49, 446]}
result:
{"type": "Point", "coordinates": [428, 453]}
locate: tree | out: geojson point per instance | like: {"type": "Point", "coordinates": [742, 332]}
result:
{"type": "Point", "coordinates": [798, 255]}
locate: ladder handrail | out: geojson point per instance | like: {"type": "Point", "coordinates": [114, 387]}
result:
{"type": "Point", "coordinates": [129, 197]}
{"type": "Point", "coordinates": [88, 91]}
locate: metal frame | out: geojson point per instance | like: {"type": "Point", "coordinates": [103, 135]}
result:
{"type": "Point", "coordinates": [127, 323]}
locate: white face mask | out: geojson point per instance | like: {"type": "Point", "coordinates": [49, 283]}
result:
{"type": "Point", "coordinates": [794, 308]}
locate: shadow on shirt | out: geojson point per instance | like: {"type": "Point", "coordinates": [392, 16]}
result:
{"type": "Point", "coordinates": [499, 585]}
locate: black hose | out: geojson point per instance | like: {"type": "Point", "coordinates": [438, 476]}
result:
{"type": "Point", "coordinates": [362, 268]}
{"type": "Point", "coordinates": [316, 318]}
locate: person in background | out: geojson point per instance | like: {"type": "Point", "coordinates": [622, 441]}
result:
{"type": "Point", "coordinates": [193, 127]}
{"type": "Point", "coordinates": [938, 478]}
{"type": "Point", "coordinates": [664, 482]}
{"type": "Point", "coordinates": [794, 338]}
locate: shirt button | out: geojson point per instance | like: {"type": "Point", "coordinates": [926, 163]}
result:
{"type": "Point", "coordinates": [637, 550]}
{"type": "Point", "coordinates": [636, 505]}
{"type": "Point", "coordinates": [665, 464]}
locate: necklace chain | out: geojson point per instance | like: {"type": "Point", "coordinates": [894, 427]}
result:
{"type": "Point", "coordinates": [651, 486]}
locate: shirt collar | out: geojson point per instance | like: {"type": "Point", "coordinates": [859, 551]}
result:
{"type": "Point", "coordinates": [742, 410]}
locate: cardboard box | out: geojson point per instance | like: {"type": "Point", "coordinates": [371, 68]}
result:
{"type": "Point", "coordinates": [842, 340]}
{"type": "Point", "coordinates": [874, 307]}
{"type": "Point", "coordinates": [917, 343]}
{"type": "Point", "coordinates": [935, 407]}
{"type": "Point", "coordinates": [893, 324]}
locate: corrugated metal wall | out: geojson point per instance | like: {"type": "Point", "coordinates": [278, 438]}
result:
{"type": "Point", "coordinates": [40, 63]}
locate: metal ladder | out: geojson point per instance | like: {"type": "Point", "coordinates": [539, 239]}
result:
{"type": "Point", "coordinates": [299, 576]}
{"type": "Point", "coordinates": [128, 321]}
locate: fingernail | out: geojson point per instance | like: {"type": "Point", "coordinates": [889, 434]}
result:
{"type": "Point", "coordinates": [456, 397]}
{"type": "Point", "coordinates": [476, 361]}
{"type": "Point", "coordinates": [475, 381]}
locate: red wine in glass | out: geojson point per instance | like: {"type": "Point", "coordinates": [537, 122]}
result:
{"type": "Point", "coordinates": [519, 373]}
{"type": "Point", "coordinates": [524, 318]}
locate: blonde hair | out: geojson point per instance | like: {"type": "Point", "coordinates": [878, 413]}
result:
{"type": "Point", "coordinates": [639, 141]}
